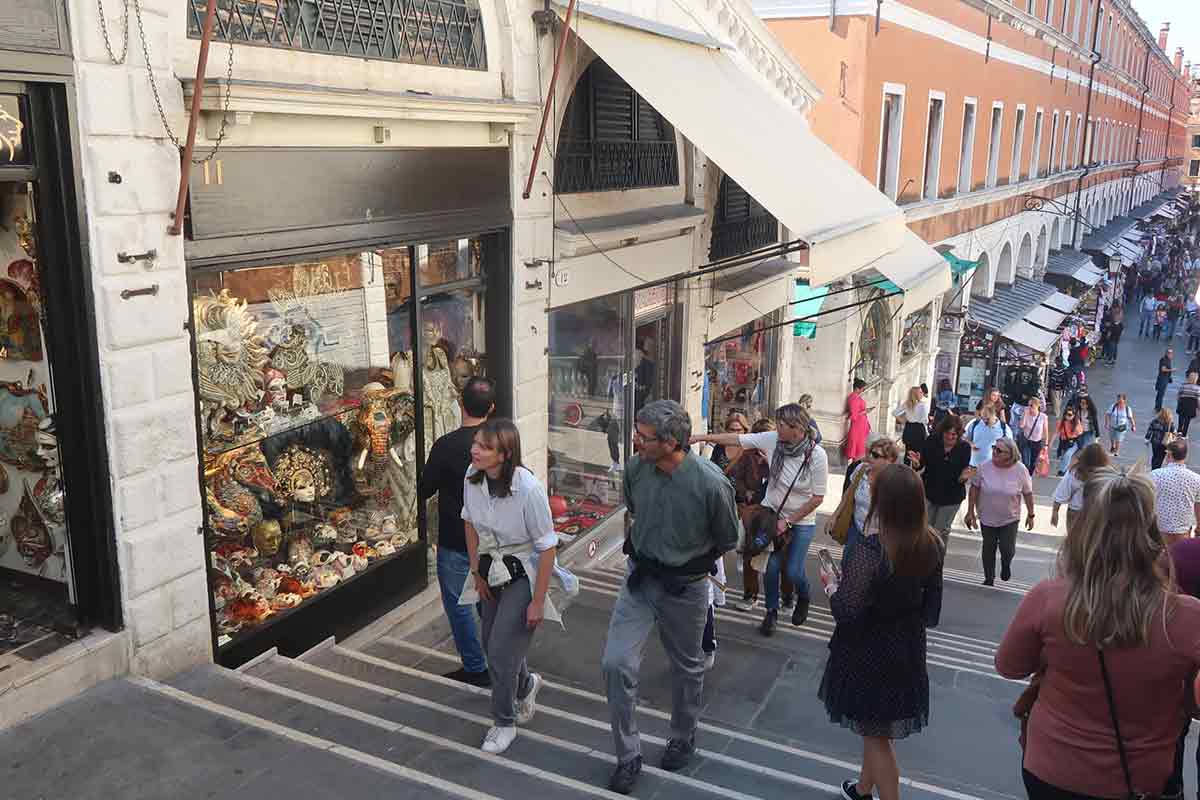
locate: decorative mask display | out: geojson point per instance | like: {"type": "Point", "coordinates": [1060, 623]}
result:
{"type": "Point", "coordinates": [22, 411]}
{"type": "Point", "coordinates": [30, 533]}
{"type": "Point", "coordinates": [230, 356]}
{"type": "Point", "coordinates": [303, 474]}
{"type": "Point", "coordinates": [267, 537]}
{"type": "Point", "coordinates": [230, 480]}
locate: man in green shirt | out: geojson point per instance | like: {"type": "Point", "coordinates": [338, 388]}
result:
{"type": "Point", "coordinates": [684, 518]}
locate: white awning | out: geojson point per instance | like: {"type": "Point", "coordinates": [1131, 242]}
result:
{"type": "Point", "coordinates": [717, 101]}
{"type": "Point", "coordinates": [1031, 336]}
{"type": "Point", "coordinates": [1045, 317]}
{"type": "Point", "coordinates": [918, 269]}
{"type": "Point", "coordinates": [1061, 302]}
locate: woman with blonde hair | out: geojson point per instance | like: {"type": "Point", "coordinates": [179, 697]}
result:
{"type": "Point", "coordinates": [913, 413]}
{"type": "Point", "coordinates": [890, 590]}
{"type": "Point", "coordinates": [1115, 648]}
{"type": "Point", "coordinates": [1160, 433]}
{"type": "Point", "coordinates": [724, 455]}
{"type": "Point", "coordinates": [994, 506]}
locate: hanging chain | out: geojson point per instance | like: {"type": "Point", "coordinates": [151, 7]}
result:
{"type": "Point", "coordinates": [124, 32]}
{"type": "Point", "coordinates": [162, 114]}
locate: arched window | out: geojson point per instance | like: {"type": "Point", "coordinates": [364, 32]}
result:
{"type": "Point", "coordinates": [611, 138]}
{"type": "Point", "coordinates": [869, 364]}
{"type": "Point", "coordinates": [740, 223]}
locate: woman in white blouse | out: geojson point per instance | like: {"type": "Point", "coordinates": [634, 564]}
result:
{"type": "Point", "coordinates": [914, 414]}
{"type": "Point", "coordinates": [512, 547]}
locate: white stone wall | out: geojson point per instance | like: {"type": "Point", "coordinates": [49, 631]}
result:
{"type": "Point", "coordinates": [145, 357]}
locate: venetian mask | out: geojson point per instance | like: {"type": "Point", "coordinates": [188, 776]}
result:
{"type": "Point", "coordinates": [384, 549]}
{"type": "Point", "coordinates": [402, 372]}
{"type": "Point", "coordinates": [47, 443]}
{"type": "Point", "coordinates": [267, 537]}
{"type": "Point", "coordinates": [300, 550]}
{"type": "Point", "coordinates": [325, 536]}
{"type": "Point", "coordinates": [303, 474]}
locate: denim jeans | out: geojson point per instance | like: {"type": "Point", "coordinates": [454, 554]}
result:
{"type": "Point", "coordinates": [1147, 323]}
{"type": "Point", "coordinates": [795, 553]}
{"type": "Point", "coordinates": [453, 567]}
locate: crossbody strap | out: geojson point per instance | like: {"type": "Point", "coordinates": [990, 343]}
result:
{"type": "Point", "coordinates": [1112, 710]}
{"type": "Point", "coordinates": [799, 472]}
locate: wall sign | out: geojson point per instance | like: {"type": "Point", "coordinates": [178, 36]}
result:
{"type": "Point", "coordinates": [37, 25]}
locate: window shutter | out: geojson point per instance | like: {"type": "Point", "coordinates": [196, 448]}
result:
{"type": "Point", "coordinates": [613, 99]}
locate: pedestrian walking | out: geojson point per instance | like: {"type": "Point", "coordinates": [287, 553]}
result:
{"type": "Point", "coordinates": [1176, 494]}
{"type": "Point", "coordinates": [1115, 666]}
{"type": "Point", "coordinates": [1032, 431]}
{"type": "Point", "coordinates": [684, 519]}
{"type": "Point", "coordinates": [858, 423]}
{"type": "Point", "coordinates": [1163, 377]}
{"type": "Point", "coordinates": [913, 415]}
{"type": "Point", "coordinates": [1116, 328]}
{"type": "Point", "coordinates": [945, 468]}
{"type": "Point", "coordinates": [1069, 491]}
{"type": "Point", "coordinates": [749, 472]}
{"type": "Point", "coordinates": [994, 506]}
{"type": "Point", "coordinates": [860, 476]}
{"type": "Point", "coordinates": [1089, 419]}
{"type": "Point", "coordinates": [1118, 422]}
{"type": "Point", "coordinates": [1148, 307]}
{"type": "Point", "coordinates": [735, 422]}
{"type": "Point", "coordinates": [1186, 401]}
{"type": "Point", "coordinates": [983, 431]}
{"type": "Point", "coordinates": [799, 473]}
{"type": "Point", "coordinates": [876, 681]}
{"type": "Point", "coordinates": [996, 401]}
{"type": "Point", "coordinates": [805, 402]}
{"type": "Point", "coordinates": [1160, 320]}
{"type": "Point", "coordinates": [1185, 559]}
{"type": "Point", "coordinates": [947, 401]}
{"type": "Point", "coordinates": [1159, 433]}
{"type": "Point", "coordinates": [1193, 330]}
{"type": "Point", "coordinates": [1057, 382]}
{"type": "Point", "coordinates": [449, 458]}
{"type": "Point", "coordinates": [513, 547]}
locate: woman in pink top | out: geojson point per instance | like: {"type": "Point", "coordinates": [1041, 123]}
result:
{"type": "Point", "coordinates": [994, 506]}
{"type": "Point", "coordinates": [1112, 590]}
{"type": "Point", "coordinates": [858, 423]}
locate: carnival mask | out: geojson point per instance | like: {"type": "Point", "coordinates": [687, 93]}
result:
{"type": "Point", "coordinates": [325, 536]}
{"type": "Point", "coordinates": [300, 551]}
{"type": "Point", "coordinates": [303, 474]}
{"type": "Point", "coordinates": [267, 537]}
{"type": "Point", "coordinates": [402, 373]}
{"type": "Point", "coordinates": [47, 443]}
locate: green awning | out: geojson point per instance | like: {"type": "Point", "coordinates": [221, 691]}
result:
{"type": "Point", "coordinates": [808, 302]}
{"type": "Point", "coordinates": [959, 266]}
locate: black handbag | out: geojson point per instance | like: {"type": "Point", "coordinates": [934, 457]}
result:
{"type": "Point", "coordinates": [1112, 710]}
{"type": "Point", "coordinates": [762, 528]}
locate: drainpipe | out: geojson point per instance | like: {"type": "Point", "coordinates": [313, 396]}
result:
{"type": "Point", "coordinates": [1087, 123]}
{"type": "Point", "coordinates": [1162, 173]}
{"type": "Point", "coordinates": [1137, 142]}
{"type": "Point", "coordinates": [185, 162]}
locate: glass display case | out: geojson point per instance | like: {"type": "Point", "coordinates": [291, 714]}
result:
{"type": "Point", "coordinates": [316, 414]}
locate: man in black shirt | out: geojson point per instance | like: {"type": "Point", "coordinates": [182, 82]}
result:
{"type": "Point", "coordinates": [443, 475]}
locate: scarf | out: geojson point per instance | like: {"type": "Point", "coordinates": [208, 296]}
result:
{"type": "Point", "coordinates": [785, 450]}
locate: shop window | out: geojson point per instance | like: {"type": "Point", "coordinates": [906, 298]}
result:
{"type": "Point", "coordinates": [740, 223]}
{"type": "Point", "coordinates": [872, 342]}
{"type": "Point", "coordinates": [322, 384]}
{"type": "Point", "coordinates": [739, 372]}
{"type": "Point", "coordinates": [891, 133]}
{"type": "Point", "coordinates": [966, 150]}
{"type": "Point", "coordinates": [447, 33]}
{"type": "Point", "coordinates": [12, 130]}
{"type": "Point", "coordinates": [915, 338]}
{"type": "Point", "coordinates": [933, 148]}
{"type": "Point", "coordinates": [611, 138]}
{"type": "Point", "coordinates": [993, 166]}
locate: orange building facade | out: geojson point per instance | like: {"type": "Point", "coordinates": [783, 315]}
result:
{"type": "Point", "coordinates": [1008, 132]}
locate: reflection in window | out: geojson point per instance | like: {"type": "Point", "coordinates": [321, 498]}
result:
{"type": "Point", "coordinates": [869, 365]}
{"type": "Point", "coordinates": [916, 332]}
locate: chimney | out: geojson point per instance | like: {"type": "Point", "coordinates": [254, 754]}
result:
{"type": "Point", "coordinates": [1178, 59]}
{"type": "Point", "coordinates": [1162, 35]}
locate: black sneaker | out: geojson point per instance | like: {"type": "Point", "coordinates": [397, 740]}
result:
{"type": "Point", "coordinates": [678, 753]}
{"type": "Point", "coordinates": [481, 679]}
{"type": "Point", "coordinates": [850, 791]}
{"type": "Point", "coordinates": [800, 612]}
{"type": "Point", "coordinates": [767, 628]}
{"type": "Point", "coordinates": [989, 581]}
{"type": "Point", "coordinates": [787, 602]}
{"type": "Point", "coordinates": [626, 775]}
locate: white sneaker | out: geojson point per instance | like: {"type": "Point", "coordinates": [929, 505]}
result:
{"type": "Point", "coordinates": [498, 740]}
{"type": "Point", "coordinates": [710, 660]}
{"type": "Point", "coordinates": [527, 705]}
{"type": "Point", "coordinates": [745, 605]}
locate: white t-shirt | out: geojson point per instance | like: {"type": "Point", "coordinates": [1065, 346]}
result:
{"type": "Point", "coordinates": [808, 485]}
{"type": "Point", "coordinates": [920, 412]}
{"type": "Point", "coordinates": [1069, 491]}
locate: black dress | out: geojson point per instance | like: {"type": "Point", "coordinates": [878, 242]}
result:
{"type": "Point", "coordinates": [876, 682]}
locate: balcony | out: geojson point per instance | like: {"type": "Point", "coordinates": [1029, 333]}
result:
{"type": "Point", "coordinates": [591, 166]}
{"type": "Point", "coordinates": [432, 32]}
{"type": "Point", "coordinates": [742, 236]}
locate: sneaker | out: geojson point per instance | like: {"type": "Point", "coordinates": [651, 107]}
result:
{"type": "Point", "coordinates": [527, 705]}
{"type": "Point", "coordinates": [626, 775]}
{"type": "Point", "coordinates": [481, 679]}
{"type": "Point", "coordinates": [498, 739]}
{"type": "Point", "coordinates": [767, 628]}
{"type": "Point", "coordinates": [787, 602]}
{"type": "Point", "coordinates": [1005, 572]}
{"type": "Point", "coordinates": [678, 753]}
{"type": "Point", "coordinates": [850, 791]}
{"type": "Point", "coordinates": [710, 660]}
{"type": "Point", "coordinates": [800, 612]}
{"type": "Point", "coordinates": [745, 605]}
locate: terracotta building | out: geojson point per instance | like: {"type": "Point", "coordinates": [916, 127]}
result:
{"type": "Point", "coordinates": [1022, 138]}
{"type": "Point", "coordinates": [1193, 130]}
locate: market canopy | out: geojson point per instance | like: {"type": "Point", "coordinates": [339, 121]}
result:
{"type": "Point", "coordinates": [1073, 264]}
{"type": "Point", "coordinates": [808, 301]}
{"type": "Point", "coordinates": [718, 101]}
{"type": "Point", "coordinates": [1061, 302]}
{"type": "Point", "coordinates": [916, 269]}
{"type": "Point", "coordinates": [1031, 336]}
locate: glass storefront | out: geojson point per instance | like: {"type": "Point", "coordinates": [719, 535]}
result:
{"type": "Point", "coordinates": [317, 411]}
{"type": "Point", "coordinates": [609, 356]}
{"type": "Point", "coordinates": [872, 340]}
{"type": "Point", "coordinates": [739, 373]}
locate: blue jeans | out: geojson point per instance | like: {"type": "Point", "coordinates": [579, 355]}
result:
{"type": "Point", "coordinates": [796, 553]}
{"type": "Point", "coordinates": [453, 568]}
{"type": "Point", "coordinates": [1147, 323]}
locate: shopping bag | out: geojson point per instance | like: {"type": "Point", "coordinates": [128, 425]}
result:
{"type": "Point", "coordinates": [1042, 468]}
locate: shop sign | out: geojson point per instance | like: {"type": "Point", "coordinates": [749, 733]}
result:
{"type": "Point", "coordinates": [31, 25]}
{"type": "Point", "coordinates": [650, 298]}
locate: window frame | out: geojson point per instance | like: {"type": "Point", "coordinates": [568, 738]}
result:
{"type": "Point", "coordinates": [933, 149]}
{"type": "Point", "coordinates": [995, 140]}
{"type": "Point", "coordinates": [1018, 144]}
{"type": "Point", "coordinates": [1035, 156]}
{"type": "Point", "coordinates": [887, 175]}
{"type": "Point", "coordinates": [966, 145]}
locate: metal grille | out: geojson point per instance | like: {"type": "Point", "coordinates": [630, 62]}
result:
{"type": "Point", "coordinates": [586, 166]}
{"type": "Point", "coordinates": [434, 32]}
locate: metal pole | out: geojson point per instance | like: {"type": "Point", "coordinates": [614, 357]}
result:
{"type": "Point", "coordinates": [1086, 142]}
{"type": "Point", "coordinates": [185, 161]}
{"type": "Point", "coordinates": [541, 137]}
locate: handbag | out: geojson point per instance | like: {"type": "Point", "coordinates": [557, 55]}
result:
{"type": "Point", "coordinates": [1112, 710]}
{"type": "Point", "coordinates": [1042, 468]}
{"type": "Point", "coordinates": [839, 524]}
{"type": "Point", "coordinates": [761, 530]}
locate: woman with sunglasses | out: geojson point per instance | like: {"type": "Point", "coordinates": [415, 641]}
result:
{"type": "Point", "coordinates": [861, 476]}
{"type": "Point", "coordinates": [735, 422]}
{"type": "Point", "coordinates": [994, 506]}
{"type": "Point", "coordinates": [1067, 434]}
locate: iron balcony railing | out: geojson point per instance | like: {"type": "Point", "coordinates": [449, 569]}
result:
{"type": "Point", "coordinates": [589, 166]}
{"type": "Point", "coordinates": [742, 236]}
{"type": "Point", "coordinates": [434, 32]}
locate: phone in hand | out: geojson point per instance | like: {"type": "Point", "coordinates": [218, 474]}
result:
{"type": "Point", "coordinates": [826, 560]}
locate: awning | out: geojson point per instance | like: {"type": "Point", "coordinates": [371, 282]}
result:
{"type": "Point", "coordinates": [809, 300]}
{"type": "Point", "coordinates": [1031, 336]}
{"type": "Point", "coordinates": [1061, 302]}
{"type": "Point", "coordinates": [711, 94]}
{"type": "Point", "coordinates": [1073, 264]}
{"type": "Point", "coordinates": [916, 269]}
{"type": "Point", "coordinates": [1045, 317]}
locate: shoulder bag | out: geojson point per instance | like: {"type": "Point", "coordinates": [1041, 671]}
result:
{"type": "Point", "coordinates": [761, 531]}
{"type": "Point", "coordinates": [1112, 710]}
{"type": "Point", "coordinates": [839, 524]}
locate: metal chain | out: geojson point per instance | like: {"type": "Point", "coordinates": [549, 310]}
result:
{"type": "Point", "coordinates": [125, 32]}
{"type": "Point", "coordinates": [162, 114]}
